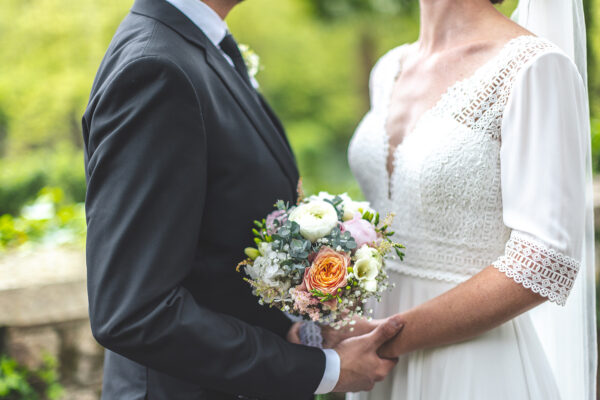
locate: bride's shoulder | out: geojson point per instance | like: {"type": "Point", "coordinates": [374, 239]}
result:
{"type": "Point", "coordinates": [531, 53]}
{"type": "Point", "coordinates": [390, 60]}
{"type": "Point", "coordinates": [387, 67]}
{"type": "Point", "coordinates": [525, 50]}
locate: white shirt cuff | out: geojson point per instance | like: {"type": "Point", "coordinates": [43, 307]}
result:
{"type": "Point", "coordinates": [332, 372]}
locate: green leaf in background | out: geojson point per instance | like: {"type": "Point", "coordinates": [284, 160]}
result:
{"type": "Point", "coordinates": [20, 383]}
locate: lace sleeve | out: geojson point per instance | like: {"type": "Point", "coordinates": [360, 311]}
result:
{"type": "Point", "coordinates": [310, 334]}
{"type": "Point", "coordinates": [538, 267]}
{"type": "Point", "coordinates": [543, 173]}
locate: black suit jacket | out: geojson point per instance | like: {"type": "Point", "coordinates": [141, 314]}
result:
{"type": "Point", "coordinates": [181, 157]}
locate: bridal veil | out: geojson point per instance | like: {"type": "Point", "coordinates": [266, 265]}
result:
{"type": "Point", "coordinates": [568, 334]}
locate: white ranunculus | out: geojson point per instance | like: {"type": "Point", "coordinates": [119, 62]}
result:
{"type": "Point", "coordinates": [316, 219]}
{"type": "Point", "coordinates": [367, 266]}
{"type": "Point", "coordinates": [321, 196]}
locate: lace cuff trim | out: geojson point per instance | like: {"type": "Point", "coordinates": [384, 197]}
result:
{"type": "Point", "coordinates": [538, 267]}
{"type": "Point", "coordinates": [310, 334]}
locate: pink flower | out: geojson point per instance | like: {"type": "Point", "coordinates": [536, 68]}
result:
{"type": "Point", "coordinates": [304, 302]}
{"type": "Point", "coordinates": [277, 215]}
{"type": "Point", "coordinates": [362, 231]}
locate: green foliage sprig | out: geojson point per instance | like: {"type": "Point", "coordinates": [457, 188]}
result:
{"type": "Point", "coordinates": [337, 204]}
{"type": "Point", "coordinates": [20, 383]}
{"type": "Point", "coordinates": [382, 227]}
{"type": "Point", "coordinates": [338, 239]}
{"type": "Point", "coordinates": [299, 247]}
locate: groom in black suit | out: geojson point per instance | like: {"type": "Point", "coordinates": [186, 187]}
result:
{"type": "Point", "coordinates": [181, 154]}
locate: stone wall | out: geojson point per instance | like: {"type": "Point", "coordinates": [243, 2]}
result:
{"type": "Point", "coordinates": [43, 310]}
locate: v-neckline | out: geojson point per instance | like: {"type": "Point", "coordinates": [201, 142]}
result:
{"type": "Point", "coordinates": [393, 153]}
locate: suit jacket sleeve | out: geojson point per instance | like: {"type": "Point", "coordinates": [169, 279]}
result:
{"type": "Point", "coordinates": [147, 178]}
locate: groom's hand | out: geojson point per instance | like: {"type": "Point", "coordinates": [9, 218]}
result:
{"type": "Point", "coordinates": [360, 366]}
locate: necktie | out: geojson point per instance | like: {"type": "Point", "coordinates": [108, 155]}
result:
{"type": "Point", "coordinates": [230, 47]}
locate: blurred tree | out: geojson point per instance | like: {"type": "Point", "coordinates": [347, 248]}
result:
{"type": "Point", "coordinates": [49, 52]}
{"type": "Point", "coordinates": [344, 8]}
{"type": "Point", "coordinates": [3, 132]}
{"type": "Point", "coordinates": [315, 78]}
{"type": "Point", "coordinates": [317, 56]}
{"type": "Point", "coordinates": [592, 13]}
{"type": "Point", "coordinates": [362, 14]}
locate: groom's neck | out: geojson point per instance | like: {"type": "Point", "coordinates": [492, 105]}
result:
{"type": "Point", "coordinates": [221, 7]}
{"type": "Point", "coordinates": [447, 22]}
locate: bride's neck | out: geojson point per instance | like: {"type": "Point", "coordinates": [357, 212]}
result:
{"type": "Point", "coordinates": [444, 23]}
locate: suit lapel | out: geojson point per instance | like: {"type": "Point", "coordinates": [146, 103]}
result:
{"type": "Point", "coordinates": [245, 96]}
{"type": "Point", "coordinates": [276, 122]}
{"type": "Point", "coordinates": [250, 103]}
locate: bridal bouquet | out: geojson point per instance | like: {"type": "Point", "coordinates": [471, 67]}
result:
{"type": "Point", "coordinates": [321, 259]}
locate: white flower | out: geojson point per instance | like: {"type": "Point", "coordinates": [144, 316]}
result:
{"type": "Point", "coordinates": [264, 248]}
{"type": "Point", "coordinates": [367, 266]}
{"type": "Point", "coordinates": [321, 196]}
{"type": "Point", "coordinates": [353, 207]}
{"type": "Point", "coordinates": [370, 286]}
{"type": "Point", "coordinates": [270, 274]}
{"type": "Point", "coordinates": [266, 268]}
{"type": "Point", "coordinates": [253, 270]}
{"type": "Point", "coordinates": [251, 59]}
{"type": "Point", "coordinates": [316, 218]}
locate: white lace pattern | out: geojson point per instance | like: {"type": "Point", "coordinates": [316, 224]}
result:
{"type": "Point", "coordinates": [539, 268]}
{"type": "Point", "coordinates": [310, 334]}
{"type": "Point", "coordinates": [445, 188]}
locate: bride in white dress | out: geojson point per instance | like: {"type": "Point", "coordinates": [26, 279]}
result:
{"type": "Point", "coordinates": [478, 140]}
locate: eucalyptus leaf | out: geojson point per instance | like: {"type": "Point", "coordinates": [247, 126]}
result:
{"type": "Point", "coordinates": [281, 205]}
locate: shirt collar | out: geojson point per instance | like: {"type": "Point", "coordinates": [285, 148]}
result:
{"type": "Point", "coordinates": [204, 18]}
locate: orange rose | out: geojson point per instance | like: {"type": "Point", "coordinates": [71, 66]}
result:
{"type": "Point", "coordinates": [328, 272]}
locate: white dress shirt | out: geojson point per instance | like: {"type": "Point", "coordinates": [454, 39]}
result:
{"type": "Point", "coordinates": [215, 28]}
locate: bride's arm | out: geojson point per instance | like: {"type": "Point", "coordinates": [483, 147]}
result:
{"type": "Point", "coordinates": [544, 141]}
{"type": "Point", "coordinates": [483, 302]}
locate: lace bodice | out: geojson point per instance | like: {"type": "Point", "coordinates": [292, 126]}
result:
{"type": "Point", "coordinates": [446, 184]}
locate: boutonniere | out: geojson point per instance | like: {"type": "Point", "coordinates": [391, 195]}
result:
{"type": "Point", "coordinates": [251, 59]}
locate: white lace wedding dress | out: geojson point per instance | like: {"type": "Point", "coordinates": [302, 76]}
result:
{"type": "Point", "coordinates": [490, 175]}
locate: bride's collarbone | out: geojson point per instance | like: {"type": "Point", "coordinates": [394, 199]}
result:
{"type": "Point", "coordinates": [424, 79]}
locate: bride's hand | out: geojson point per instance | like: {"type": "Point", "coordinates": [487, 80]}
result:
{"type": "Point", "coordinates": [387, 350]}
{"type": "Point", "coordinates": [293, 335]}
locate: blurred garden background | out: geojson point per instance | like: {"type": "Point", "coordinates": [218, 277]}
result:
{"type": "Point", "coordinates": [315, 55]}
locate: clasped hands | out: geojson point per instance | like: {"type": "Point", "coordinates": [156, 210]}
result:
{"type": "Point", "coordinates": [360, 364]}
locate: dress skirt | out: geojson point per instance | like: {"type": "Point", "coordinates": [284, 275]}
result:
{"type": "Point", "coordinates": [506, 363]}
